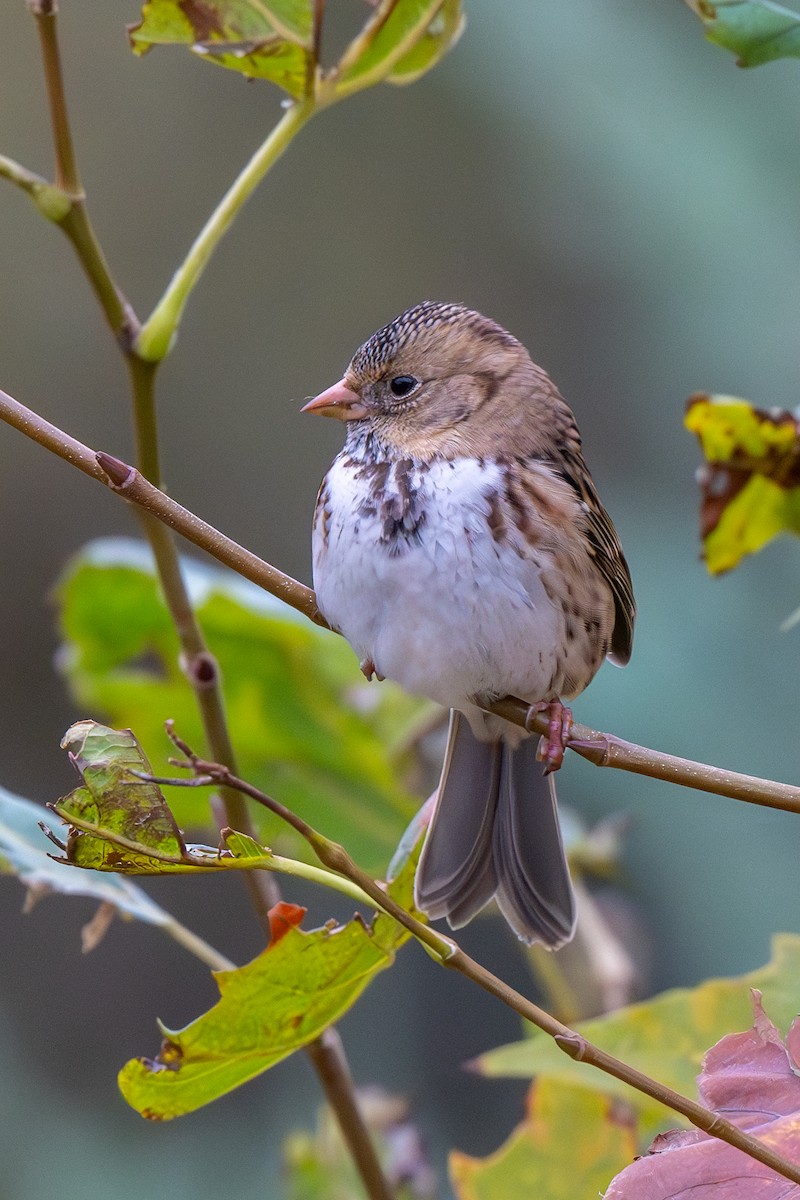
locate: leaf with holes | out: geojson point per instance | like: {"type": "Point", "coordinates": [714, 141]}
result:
{"type": "Point", "coordinates": [303, 982]}
{"type": "Point", "coordinates": [263, 39]}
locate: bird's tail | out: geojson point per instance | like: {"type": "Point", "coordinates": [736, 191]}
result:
{"type": "Point", "coordinates": [495, 832]}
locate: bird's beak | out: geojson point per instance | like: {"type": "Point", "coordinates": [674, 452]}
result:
{"type": "Point", "coordinates": [338, 401]}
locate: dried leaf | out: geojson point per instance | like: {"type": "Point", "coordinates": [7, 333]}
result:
{"type": "Point", "coordinates": [113, 807]}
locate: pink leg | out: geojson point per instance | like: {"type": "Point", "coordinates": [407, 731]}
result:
{"type": "Point", "coordinates": [559, 727]}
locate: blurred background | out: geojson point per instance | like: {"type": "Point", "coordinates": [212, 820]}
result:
{"type": "Point", "coordinates": [612, 189]}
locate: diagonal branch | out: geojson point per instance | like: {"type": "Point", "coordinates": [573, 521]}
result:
{"type": "Point", "coordinates": [602, 749]}
{"type": "Point", "coordinates": [448, 953]}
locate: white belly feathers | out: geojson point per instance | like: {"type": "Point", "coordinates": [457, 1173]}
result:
{"type": "Point", "coordinates": [407, 567]}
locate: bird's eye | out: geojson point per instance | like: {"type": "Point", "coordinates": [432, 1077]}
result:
{"type": "Point", "coordinates": [403, 385]}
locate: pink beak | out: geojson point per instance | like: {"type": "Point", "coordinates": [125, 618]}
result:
{"type": "Point", "coordinates": [338, 401]}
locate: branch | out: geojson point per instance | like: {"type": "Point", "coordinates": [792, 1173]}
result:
{"type": "Point", "coordinates": [602, 749]}
{"type": "Point", "coordinates": [449, 954]}
{"type": "Point", "coordinates": [45, 15]}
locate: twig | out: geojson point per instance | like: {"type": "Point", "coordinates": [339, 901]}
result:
{"type": "Point", "coordinates": [45, 15]}
{"type": "Point", "coordinates": [449, 954]}
{"type": "Point", "coordinates": [602, 749]}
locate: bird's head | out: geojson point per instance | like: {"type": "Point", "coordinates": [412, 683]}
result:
{"type": "Point", "coordinates": [440, 381]}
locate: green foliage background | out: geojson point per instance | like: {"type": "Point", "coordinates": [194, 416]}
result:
{"type": "Point", "coordinates": [607, 185]}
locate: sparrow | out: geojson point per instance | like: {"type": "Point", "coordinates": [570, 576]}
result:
{"type": "Point", "coordinates": [461, 548]}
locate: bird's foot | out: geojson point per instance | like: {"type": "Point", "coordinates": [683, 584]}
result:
{"type": "Point", "coordinates": [368, 670]}
{"type": "Point", "coordinates": [559, 727]}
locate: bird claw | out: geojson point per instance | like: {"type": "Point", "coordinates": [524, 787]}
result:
{"type": "Point", "coordinates": [559, 728]}
{"type": "Point", "coordinates": [368, 670]}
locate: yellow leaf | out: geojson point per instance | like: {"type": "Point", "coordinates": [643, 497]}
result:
{"type": "Point", "coordinates": [571, 1143]}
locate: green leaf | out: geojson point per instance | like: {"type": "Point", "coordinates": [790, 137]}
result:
{"type": "Point", "coordinates": [307, 726]}
{"type": "Point", "coordinates": [440, 36]}
{"type": "Point", "coordinates": [264, 39]}
{"type": "Point", "coordinates": [113, 800]}
{"type": "Point", "coordinates": [751, 486]}
{"type": "Point", "coordinates": [571, 1143]}
{"type": "Point", "coordinates": [757, 31]}
{"type": "Point", "coordinates": [24, 852]}
{"type": "Point", "coordinates": [279, 1002]}
{"type": "Point", "coordinates": [402, 40]}
{"type": "Point", "coordinates": [665, 1037]}
{"type": "Point", "coordinates": [277, 40]}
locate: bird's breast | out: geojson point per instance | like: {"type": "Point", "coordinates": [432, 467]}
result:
{"type": "Point", "coordinates": [412, 567]}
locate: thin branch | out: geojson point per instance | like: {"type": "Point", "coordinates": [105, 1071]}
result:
{"type": "Point", "coordinates": [449, 954]}
{"type": "Point", "coordinates": [74, 219]}
{"type": "Point", "coordinates": [45, 15]}
{"type": "Point", "coordinates": [602, 749]}
{"type": "Point", "coordinates": [29, 181]}
{"type": "Point", "coordinates": [130, 484]}
{"type": "Point", "coordinates": [606, 750]}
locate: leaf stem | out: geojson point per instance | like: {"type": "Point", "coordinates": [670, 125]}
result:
{"type": "Point", "coordinates": [204, 860]}
{"type": "Point", "coordinates": [158, 332]}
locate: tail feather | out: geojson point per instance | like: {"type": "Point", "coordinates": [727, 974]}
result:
{"type": "Point", "coordinates": [534, 888]}
{"type": "Point", "coordinates": [495, 832]}
{"type": "Point", "coordinates": [456, 877]}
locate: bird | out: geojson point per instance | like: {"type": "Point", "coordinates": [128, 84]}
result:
{"type": "Point", "coordinates": [460, 546]}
